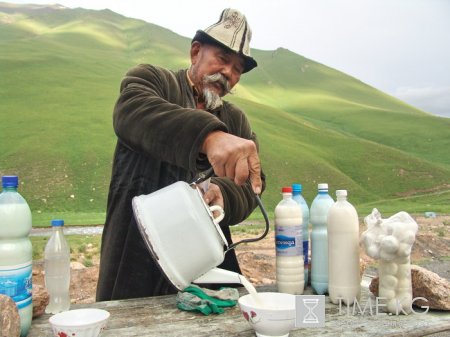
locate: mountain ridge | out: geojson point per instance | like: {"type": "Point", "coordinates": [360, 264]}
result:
{"type": "Point", "coordinates": [62, 69]}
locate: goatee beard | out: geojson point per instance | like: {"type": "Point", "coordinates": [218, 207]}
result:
{"type": "Point", "coordinates": [212, 99]}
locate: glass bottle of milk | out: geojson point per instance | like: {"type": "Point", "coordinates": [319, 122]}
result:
{"type": "Point", "coordinates": [319, 239]}
{"type": "Point", "coordinates": [344, 282]}
{"type": "Point", "coordinates": [298, 197]}
{"type": "Point", "coordinates": [57, 269]}
{"type": "Point", "coordinates": [16, 252]}
{"type": "Point", "coordinates": [289, 245]}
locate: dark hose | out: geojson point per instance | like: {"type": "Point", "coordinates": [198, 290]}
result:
{"type": "Point", "coordinates": [263, 235]}
{"type": "Point", "coordinates": [209, 173]}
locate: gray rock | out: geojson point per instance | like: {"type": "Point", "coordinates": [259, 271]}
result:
{"type": "Point", "coordinates": [9, 317]}
{"type": "Point", "coordinates": [40, 300]}
{"type": "Point", "coordinates": [431, 286]}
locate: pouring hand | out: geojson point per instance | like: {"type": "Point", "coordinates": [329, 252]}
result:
{"type": "Point", "coordinates": [233, 157]}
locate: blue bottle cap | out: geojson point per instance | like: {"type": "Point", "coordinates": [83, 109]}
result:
{"type": "Point", "coordinates": [57, 222]}
{"type": "Point", "coordinates": [10, 181]}
{"type": "Point", "coordinates": [296, 188]}
{"type": "Point", "coordinates": [322, 187]}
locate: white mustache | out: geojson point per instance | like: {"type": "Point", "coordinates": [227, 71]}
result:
{"type": "Point", "coordinates": [218, 78]}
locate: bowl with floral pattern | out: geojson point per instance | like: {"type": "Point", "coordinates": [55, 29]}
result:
{"type": "Point", "coordinates": [89, 322]}
{"type": "Point", "coordinates": [270, 314]}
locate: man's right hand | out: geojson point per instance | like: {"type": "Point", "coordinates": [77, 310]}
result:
{"type": "Point", "coordinates": [233, 157]}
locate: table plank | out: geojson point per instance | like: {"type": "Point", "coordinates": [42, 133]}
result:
{"type": "Point", "coordinates": [159, 316]}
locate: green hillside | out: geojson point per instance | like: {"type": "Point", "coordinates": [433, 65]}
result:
{"type": "Point", "coordinates": [60, 74]}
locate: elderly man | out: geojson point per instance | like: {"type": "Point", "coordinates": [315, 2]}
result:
{"type": "Point", "coordinates": [171, 126]}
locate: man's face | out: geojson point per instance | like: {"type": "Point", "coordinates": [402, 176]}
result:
{"type": "Point", "coordinates": [214, 70]}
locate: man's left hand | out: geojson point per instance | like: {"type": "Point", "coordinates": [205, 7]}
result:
{"type": "Point", "coordinates": [213, 196]}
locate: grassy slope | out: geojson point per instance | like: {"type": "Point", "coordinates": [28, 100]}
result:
{"type": "Point", "coordinates": [340, 102]}
{"type": "Point", "coordinates": [60, 76]}
{"type": "Point", "coordinates": [296, 150]}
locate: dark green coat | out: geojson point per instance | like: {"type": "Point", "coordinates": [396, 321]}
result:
{"type": "Point", "coordinates": [160, 133]}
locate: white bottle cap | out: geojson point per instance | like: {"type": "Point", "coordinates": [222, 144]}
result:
{"type": "Point", "coordinates": [322, 187]}
{"type": "Point", "coordinates": [341, 193]}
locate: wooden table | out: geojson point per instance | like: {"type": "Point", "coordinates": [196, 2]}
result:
{"type": "Point", "coordinates": [159, 317]}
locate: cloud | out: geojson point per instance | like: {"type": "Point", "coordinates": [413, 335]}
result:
{"type": "Point", "coordinates": [435, 100]}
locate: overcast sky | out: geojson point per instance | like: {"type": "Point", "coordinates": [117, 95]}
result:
{"type": "Point", "coordinates": [401, 47]}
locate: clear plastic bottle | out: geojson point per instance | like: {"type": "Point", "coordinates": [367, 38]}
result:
{"type": "Point", "coordinates": [57, 270]}
{"type": "Point", "coordinates": [319, 239]}
{"type": "Point", "coordinates": [298, 197]}
{"type": "Point", "coordinates": [343, 251]}
{"type": "Point", "coordinates": [16, 252]}
{"type": "Point", "coordinates": [289, 245]}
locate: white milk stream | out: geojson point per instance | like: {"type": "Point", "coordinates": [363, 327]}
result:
{"type": "Point", "coordinates": [252, 291]}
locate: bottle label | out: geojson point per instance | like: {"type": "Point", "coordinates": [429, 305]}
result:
{"type": "Point", "coordinates": [305, 252]}
{"type": "Point", "coordinates": [288, 240]}
{"type": "Point", "coordinates": [16, 282]}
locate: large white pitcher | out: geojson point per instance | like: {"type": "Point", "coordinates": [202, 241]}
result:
{"type": "Point", "coordinates": [183, 236]}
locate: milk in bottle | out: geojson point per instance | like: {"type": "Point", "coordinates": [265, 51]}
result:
{"type": "Point", "coordinates": [289, 245]}
{"type": "Point", "coordinates": [319, 239]}
{"type": "Point", "coordinates": [16, 251]}
{"type": "Point", "coordinates": [343, 251]}
{"type": "Point", "coordinates": [298, 197]}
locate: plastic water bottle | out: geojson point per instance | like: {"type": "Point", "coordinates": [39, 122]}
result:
{"type": "Point", "coordinates": [298, 197]}
{"type": "Point", "coordinates": [289, 245]}
{"type": "Point", "coordinates": [343, 251]}
{"type": "Point", "coordinates": [319, 240]}
{"type": "Point", "coordinates": [16, 252]}
{"type": "Point", "coordinates": [57, 270]}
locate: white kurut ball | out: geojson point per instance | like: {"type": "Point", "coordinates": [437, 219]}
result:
{"type": "Point", "coordinates": [388, 282]}
{"type": "Point", "coordinates": [404, 249]}
{"type": "Point", "coordinates": [373, 251]}
{"type": "Point", "coordinates": [389, 244]}
{"type": "Point", "coordinates": [389, 268]}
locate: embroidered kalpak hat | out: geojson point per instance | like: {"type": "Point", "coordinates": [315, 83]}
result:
{"type": "Point", "coordinates": [232, 32]}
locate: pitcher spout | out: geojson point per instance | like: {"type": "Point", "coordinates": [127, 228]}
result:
{"type": "Point", "coordinates": [218, 275]}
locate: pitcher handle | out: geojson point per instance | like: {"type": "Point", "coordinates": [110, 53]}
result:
{"type": "Point", "coordinates": [221, 213]}
{"type": "Point", "coordinates": [263, 235]}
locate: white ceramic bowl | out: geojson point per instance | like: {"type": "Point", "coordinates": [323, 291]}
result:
{"type": "Point", "coordinates": [79, 322]}
{"type": "Point", "coordinates": [273, 316]}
